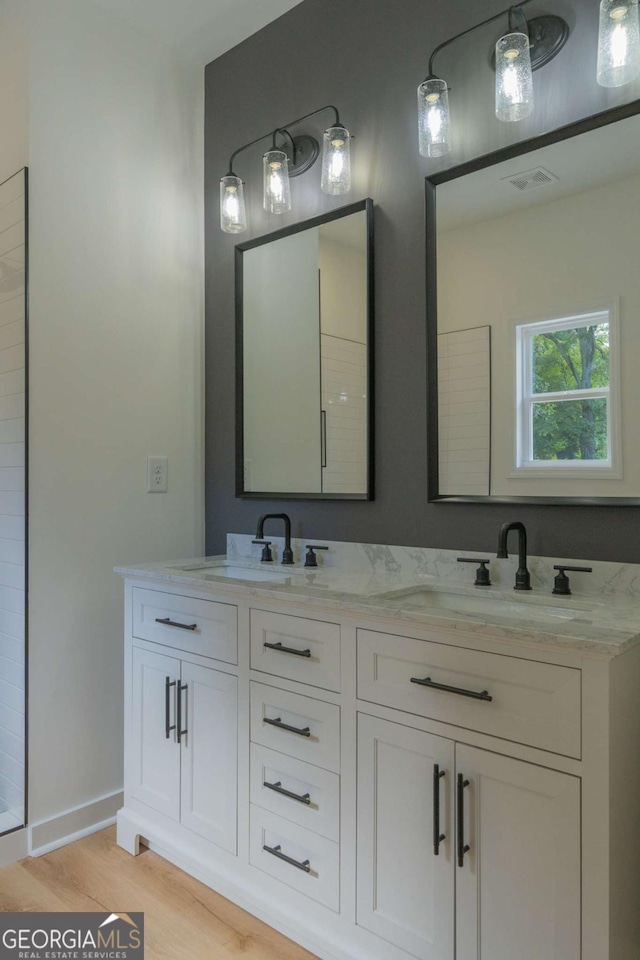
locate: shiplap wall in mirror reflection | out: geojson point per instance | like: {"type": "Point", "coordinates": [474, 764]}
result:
{"type": "Point", "coordinates": [12, 500]}
{"type": "Point", "coordinates": [464, 407]}
{"type": "Point", "coordinates": [344, 401]}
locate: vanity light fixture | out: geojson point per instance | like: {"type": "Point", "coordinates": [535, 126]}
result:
{"type": "Point", "coordinates": [336, 160]}
{"type": "Point", "coordinates": [287, 157]}
{"type": "Point", "coordinates": [276, 190]}
{"type": "Point", "coordinates": [525, 48]}
{"type": "Point", "coordinates": [514, 75]}
{"type": "Point", "coordinates": [233, 215]}
{"type": "Point", "coordinates": [618, 43]}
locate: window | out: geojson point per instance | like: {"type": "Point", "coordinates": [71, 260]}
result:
{"type": "Point", "coordinates": [567, 414]}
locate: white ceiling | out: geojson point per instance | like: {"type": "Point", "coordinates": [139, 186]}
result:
{"type": "Point", "coordinates": [581, 163]}
{"type": "Point", "coordinates": [200, 29]}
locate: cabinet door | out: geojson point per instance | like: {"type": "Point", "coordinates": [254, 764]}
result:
{"type": "Point", "coordinates": [405, 891]}
{"type": "Point", "coordinates": [155, 757]}
{"type": "Point", "coordinates": [210, 754]}
{"type": "Point", "coordinates": [518, 891]}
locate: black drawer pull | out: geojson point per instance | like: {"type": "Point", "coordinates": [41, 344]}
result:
{"type": "Point", "coordinates": [301, 731]}
{"type": "Point", "coordinates": [462, 846]}
{"type": "Point", "coordinates": [168, 622]}
{"type": "Point", "coordinates": [277, 852]}
{"type": "Point", "coordinates": [281, 649]}
{"type": "Point", "coordinates": [278, 788]}
{"type": "Point", "coordinates": [168, 683]}
{"type": "Point", "coordinates": [428, 682]}
{"type": "Point", "coordinates": [438, 837]}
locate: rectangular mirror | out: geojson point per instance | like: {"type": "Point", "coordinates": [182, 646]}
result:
{"type": "Point", "coordinates": [304, 379]}
{"type": "Point", "coordinates": [534, 319]}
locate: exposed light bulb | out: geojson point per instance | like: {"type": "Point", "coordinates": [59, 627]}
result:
{"type": "Point", "coordinates": [618, 43]}
{"type": "Point", "coordinates": [434, 120]}
{"type": "Point", "coordinates": [336, 161]}
{"type": "Point", "coordinates": [514, 78]}
{"type": "Point", "coordinates": [233, 217]}
{"type": "Point", "coordinates": [277, 189]}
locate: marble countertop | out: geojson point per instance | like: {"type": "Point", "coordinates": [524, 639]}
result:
{"type": "Point", "coordinates": [602, 626]}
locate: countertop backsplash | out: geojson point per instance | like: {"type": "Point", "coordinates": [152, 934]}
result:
{"type": "Point", "coordinates": [608, 579]}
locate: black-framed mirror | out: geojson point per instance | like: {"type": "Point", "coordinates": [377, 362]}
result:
{"type": "Point", "coordinates": [304, 359]}
{"type": "Point", "coordinates": [533, 319]}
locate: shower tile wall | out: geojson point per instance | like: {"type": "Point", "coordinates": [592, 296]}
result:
{"type": "Point", "coordinates": [12, 501]}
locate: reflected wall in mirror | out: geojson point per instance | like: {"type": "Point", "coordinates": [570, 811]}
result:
{"type": "Point", "coordinates": [534, 318]}
{"type": "Point", "coordinates": [304, 313]}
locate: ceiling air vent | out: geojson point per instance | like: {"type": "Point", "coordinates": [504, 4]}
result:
{"type": "Point", "coordinates": [531, 179]}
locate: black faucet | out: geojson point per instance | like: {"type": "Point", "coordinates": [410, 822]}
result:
{"type": "Point", "coordinates": [523, 577]}
{"type": "Point", "coordinates": [287, 553]}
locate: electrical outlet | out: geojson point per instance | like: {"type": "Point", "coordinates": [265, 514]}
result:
{"type": "Point", "coordinates": [157, 468]}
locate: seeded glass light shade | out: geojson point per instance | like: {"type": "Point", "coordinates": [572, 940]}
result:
{"type": "Point", "coordinates": [233, 216]}
{"type": "Point", "coordinates": [514, 79]}
{"type": "Point", "coordinates": [434, 119]}
{"type": "Point", "coordinates": [277, 189]}
{"type": "Point", "coordinates": [618, 43]}
{"type": "Point", "coordinates": [336, 161]}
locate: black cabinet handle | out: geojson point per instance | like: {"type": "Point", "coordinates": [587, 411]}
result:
{"type": "Point", "coordinates": [180, 732]}
{"type": "Point", "coordinates": [277, 852]}
{"type": "Point", "coordinates": [168, 683]}
{"type": "Point", "coordinates": [438, 837]}
{"type": "Point", "coordinates": [323, 438]}
{"type": "Point", "coordinates": [280, 649]}
{"type": "Point", "coordinates": [278, 788]}
{"type": "Point", "coordinates": [462, 846]}
{"type": "Point", "coordinates": [301, 731]}
{"type": "Point", "coordinates": [428, 682]}
{"type": "Point", "coordinates": [168, 622]}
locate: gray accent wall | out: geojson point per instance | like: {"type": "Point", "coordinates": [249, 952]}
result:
{"type": "Point", "coordinates": [367, 57]}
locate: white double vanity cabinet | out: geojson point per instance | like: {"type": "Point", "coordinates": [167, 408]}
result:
{"type": "Point", "coordinates": [379, 784]}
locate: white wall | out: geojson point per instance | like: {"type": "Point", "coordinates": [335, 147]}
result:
{"type": "Point", "coordinates": [553, 259]}
{"type": "Point", "coordinates": [115, 368]}
{"type": "Point", "coordinates": [343, 281]}
{"type": "Point", "coordinates": [13, 87]}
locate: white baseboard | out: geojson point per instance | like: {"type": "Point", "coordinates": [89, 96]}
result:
{"type": "Point", "coordinates": [13, 846]}
{"type": "Point", "coordinates": [48, 835]}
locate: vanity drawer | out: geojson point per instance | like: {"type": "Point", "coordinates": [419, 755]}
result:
{"type": "Point", "coordinates": [538, 704]}
{"type": "Point", "coordinates": [296, 648]}
{"type": "Point", "coordinates": [315, 804]}
{"type": "Point", "coordinates": [196, 626]}
{"type": "Point", "coordinates": [307, 729]}
{"type": "Point", "coordinates": [318, 873]}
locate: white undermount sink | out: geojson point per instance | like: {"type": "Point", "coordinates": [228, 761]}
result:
{"type": "Point", "coordinates": [534, 608]}
{"type": "Point", "coordinates": [236, 572]}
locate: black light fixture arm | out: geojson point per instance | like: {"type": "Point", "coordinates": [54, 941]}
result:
{"type": "Point", "coordinates": [509, 10]}
{"type": "Point", "coordinates": [284, 130]}
{"type": "Point", "coordinates": [285, 133]}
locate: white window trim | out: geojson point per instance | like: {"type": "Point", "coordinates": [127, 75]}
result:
{"type": "Point", "coordinates": [610, 469]}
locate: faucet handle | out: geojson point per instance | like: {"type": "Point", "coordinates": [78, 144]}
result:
{"type": "Point", "coordinates": [311, 560]}
{"type": "Point", "coordinates": [482, 574]}
{"type": "Point", "coordinates": [267, 556]}
{"type": "Point", "coordinates": [561, 583]}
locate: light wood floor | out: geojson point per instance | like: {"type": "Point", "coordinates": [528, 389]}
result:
{"type": "Point", "coordinates": [184, 920]}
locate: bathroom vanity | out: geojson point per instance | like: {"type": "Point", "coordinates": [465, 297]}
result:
{"type": "Point", "coordinates": [388, 763]}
